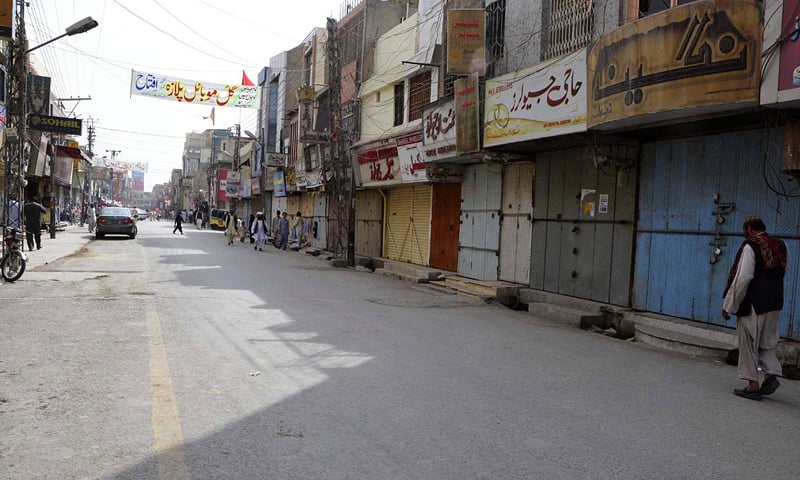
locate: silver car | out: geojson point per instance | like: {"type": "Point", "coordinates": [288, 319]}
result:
{"type": "Point", "coordinates": [116, 220]}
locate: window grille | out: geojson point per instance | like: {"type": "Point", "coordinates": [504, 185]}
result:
{"type": "Point", "coordinates": [294, 141]}
{"type": "Point", "coordinates": [495, 36]}
{"type": "Point", "coordinates": [571, 26]}
{"type": "Point", "coordinates": [399, 103]}
{"type": "Point", "coordinates": [649, 7]}
{"type": "Point", "coordinates": [419, 95]}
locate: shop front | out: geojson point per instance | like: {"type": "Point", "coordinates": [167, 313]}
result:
{"type": "Point", "coordinates": [395, 167]}
{"type": "Point", "coordinates": [695, 187]}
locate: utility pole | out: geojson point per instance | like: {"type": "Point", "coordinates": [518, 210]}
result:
{"type": "Point", "coordinates": [343, 180]}
{"type": "Point", "coordinates": [87, 173]}
{"type": "Point", "coordinates": [16, 131]}
{"type": "Point", "coordinates": [238, 131]}
{"type": "Point", "coordinates": [113, 157]}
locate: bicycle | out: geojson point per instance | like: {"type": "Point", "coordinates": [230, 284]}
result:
{"type": "Point", "coordinates": [12, 266]}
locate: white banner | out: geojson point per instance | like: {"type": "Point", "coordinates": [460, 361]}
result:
{"type": "Point", "coordinates": [193, 91]}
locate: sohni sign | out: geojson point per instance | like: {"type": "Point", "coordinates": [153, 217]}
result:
{"type": "Point", "coordinates": [46, 123]}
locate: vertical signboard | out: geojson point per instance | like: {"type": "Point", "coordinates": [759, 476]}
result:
{"type": "Point", "coordinates": [466, 50]}
{"type": "Point", "coordinates": [38, 95]}
{"type": "Point", "coordinates": [789, 67]}
{"type": "Point", "coordinates": [6, 19]}
{"type": "Point", "coordinates": [467, 101]}
{"type": "Point", "coordinates": [280, 184]}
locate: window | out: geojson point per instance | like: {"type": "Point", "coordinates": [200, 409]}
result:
{"type": "Point", "coordinates": [642, 8]}
{"type": "Point", "coordinates": [571, 26]}
{"type": "Point", "coordinates": [419, 92]}
{"type": "Point", "coordinates": [294, 141]}
{"type": "Point", "coordinates": [495, 36]}
{"type": "Point", "coordinates": [399, 103]}
{"type": "Point", "coordinates": [307, 70]}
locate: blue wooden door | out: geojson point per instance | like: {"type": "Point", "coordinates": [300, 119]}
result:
{"type": "Point", "coordinates": [678, 231]}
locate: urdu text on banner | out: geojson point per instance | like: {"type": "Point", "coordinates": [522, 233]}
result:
{"type": "Point", "coordinates": [192, 91]}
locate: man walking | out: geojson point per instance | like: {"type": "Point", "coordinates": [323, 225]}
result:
{"type": "Point", "coordinates": [283, 232]}
{"type": "Point", "coordinates": [258, 231]}
{"type": "Point", "coordinates": [754, 294]}
{"type": "Point", "coordinates": [178, 223]}
{"type": "Point", "coordinates": [33, 222]}
{"type": "Point", "coordinates": [274, 227]}
{"type": "Point", "coordinates": [230, 226]}
{"type": "Point", "coordinates": [92, 217]}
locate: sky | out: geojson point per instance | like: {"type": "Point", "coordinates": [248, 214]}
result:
{"type": "Point", "coordinates": [207, 40]}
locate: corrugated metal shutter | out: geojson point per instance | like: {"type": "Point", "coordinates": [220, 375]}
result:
{"type": "Point", "coordinates": [515, 231]}
{"type": "Point", "coordinates": [408, 224]}
{"type": "Point", "coordinates": [420, 246]}
{"type": "Point", "coordinates": [676, 232]}
{"type": "Point", "coordinates": [369, 223]}
{"type": "Point", "coordinates": [399, 210]}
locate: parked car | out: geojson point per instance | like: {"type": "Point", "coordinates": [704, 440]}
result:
{"type": "Point", "coordinates": [116, 221]}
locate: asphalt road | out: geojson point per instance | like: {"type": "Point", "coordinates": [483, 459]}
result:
{"type": "Point", "coordinates": [179, 357]}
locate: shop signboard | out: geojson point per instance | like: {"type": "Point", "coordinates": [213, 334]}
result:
{"type": "Point", "coordinates": [545, 100]}
{"type": "Point", "coordinates": [466, 49]}
{"type": "Point", "coordinates": [379, 166]}
{"type": "Point", "coordinates": [688, 60]}
{"type": "Point", "coordinates": [411, 154]}
{"type": "Point", "coordinates": [280, 184]}
{"type": "Point", "coordinates": [439, 130]}
{"type": "Point", "coordinates": [467, 102]}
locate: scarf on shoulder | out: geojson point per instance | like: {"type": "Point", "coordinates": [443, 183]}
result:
{"type": "Point", "coordinates": [770, 251]}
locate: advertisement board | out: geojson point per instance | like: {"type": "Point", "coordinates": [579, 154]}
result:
{"type": "Point", "coordinates": [542, 101]}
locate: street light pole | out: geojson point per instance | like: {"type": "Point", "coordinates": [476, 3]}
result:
{"type": "Point", "coordinates": [76, 28]}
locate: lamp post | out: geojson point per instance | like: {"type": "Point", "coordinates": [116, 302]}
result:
{"type": "Point", "coordinates": [81, 26]}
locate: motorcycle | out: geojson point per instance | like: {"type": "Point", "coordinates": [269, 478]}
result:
{"type": "Point", "coordinates": [12, 266]}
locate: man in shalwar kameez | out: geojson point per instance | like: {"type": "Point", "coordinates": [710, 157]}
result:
{"type": "Point", "coordinates": [258, 230]}
{"type": "Point", "coordinates": [754, 294]}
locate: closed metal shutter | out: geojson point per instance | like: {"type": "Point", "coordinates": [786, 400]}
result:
{"type": "Point", "coordinates": [369, 223]}
{"type": "Point", "coordinates": [479, 238]}
{"type": "Point", "coordinates": [278, 204]}
{"type": "Point", "coordinates": [307, 205]}
{"type": "Point", "coordinates": [408, 224]}
{"type": "Point", "coordinates": [293, 205]}
{"type": "Point", "coordinates": [516, 226]}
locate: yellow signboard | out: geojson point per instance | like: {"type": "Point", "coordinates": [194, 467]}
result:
{"type": "Point", "coordinates": [695, 58]}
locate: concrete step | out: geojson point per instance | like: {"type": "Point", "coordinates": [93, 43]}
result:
{"type": "Point", "coordinates": [557, 313]}
{"type": "Point", "coordinates": [401, 276]}
{"type": "Point", "coordinates": [705, 331]}
{"type": "Point", "coordinates": [681, 342]}
{"type": "Point", "coordinates": [492, 289]}
{"type": "Point", "coordinates": [461, 290]}
{"type": "Point", "coordinates": [411, 270]}
{"type": "Point", "coordinates": [529, 296]}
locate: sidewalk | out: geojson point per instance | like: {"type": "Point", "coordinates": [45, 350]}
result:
{"type": "Point", "coordinates": [67, 241]}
